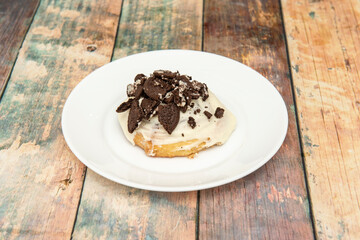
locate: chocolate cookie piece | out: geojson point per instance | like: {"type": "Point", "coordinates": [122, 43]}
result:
{"type": "Point", "coordinates": [158, 73]}
{"type": "Point", "coordinates": [164, 74]}
{"type": "Point", "coordinates": [135, 116]}
{"type": "Point", "coordinates": [197, 85]}
{"type": "Point", "coordinates": [192, 122]}
{"type": "Point", "coordinates": [186, 79]}
{"type": "Point", "coordinates": [138, 92]}
{"type": "Point", "coordinates": [148, 105]}
{"type": "Point", "coordinates": [156, 88]}
{"type": "Point", "coordinates": [208, 114]}
{"type": "Point", "coordinates": [201, 88]}
{"type": "Point", "coordinates": [183, 78]}
{"type": "Point", "coordinates": [139, 76]}
{"type": "Point", "coordinates": [192, 94]}
{"type": "Point", "coordinates": [134, 90]}
{"type": "Point", "coordinates": [130, 90]}
{"type": "Point", "coordinates": [183, 109]}
{"type": "Point", "coordinates": [124, 106]}
{"type": "Point", "coordinates": [204, 92]}
{"type": "Point", "coordinates": [172, 81]}
{"type": "Point", "coordinates": [169, 116]}
{"type": "Point", "coordinates": [169, 97]}
{"type": "Point", "coordinates": [219, 112]}
{"type": "Point", "coordinates": [169, 74]}
{"type": "Point", "coordinates": [179, 98]}
{"type": "Point", "coordinates": [197, 111]}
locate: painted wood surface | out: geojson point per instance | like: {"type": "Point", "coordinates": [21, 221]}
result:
{"type": "Point", "coordinates": [15, 19]}
{"type": "Point", "coordinates": [271, 203]}
{"type": "Point", "coordinates": [324, 47]}
{"type": "Point", "coordinates": [109, 210]}
{"type": "Point", "coordinates": [41, 180]}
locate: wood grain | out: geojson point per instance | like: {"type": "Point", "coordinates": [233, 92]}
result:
{"type": "Point", "coordinates": [112, 211]}
{"type": "Point", "coordinates": [41, 180]}
{"type": "Point", "coordinates": [272, 202]}
{"type": "Point", "coordinates": [324, 40]}
{"type": "Point", "coordinates": [15, 18]}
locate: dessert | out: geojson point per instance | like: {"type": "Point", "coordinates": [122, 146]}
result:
{"type": "Point", "coordinates": [171, 115]}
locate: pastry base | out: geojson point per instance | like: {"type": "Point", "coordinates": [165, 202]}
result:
{"type": "Point", "coordinates": [179, 149]}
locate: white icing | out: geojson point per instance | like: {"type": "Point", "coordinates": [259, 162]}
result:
{"type": "Point", "coordinates": [213, 131]}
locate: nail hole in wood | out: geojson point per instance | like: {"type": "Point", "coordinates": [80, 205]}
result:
{"type": "Point", "coordinates": [91, 48]}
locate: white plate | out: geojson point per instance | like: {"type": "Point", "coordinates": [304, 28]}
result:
{"type": "Point", "coordinates": [90, 126]}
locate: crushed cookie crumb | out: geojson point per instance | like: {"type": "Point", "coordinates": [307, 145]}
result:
{"type": "Point", "coordinates": [219, 113]}
{"type": "Point", "coordinates": [208, 114]}
{"type": "Point", "coordinates": [192, 122]}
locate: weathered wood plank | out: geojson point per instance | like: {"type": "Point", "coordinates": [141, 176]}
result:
{"type": "Point", "coordinates": [324, 40]}
{"type": "Point", "coordinates": [153, 25]}
{"type": "Point", "coordinates": [15, 18]}
{"type": "Point", "coordinates": [109, 210]}
{"type": "Point", "coordinates": [41, 180]}
{"type": "Point", "coordinates": [272, 202]}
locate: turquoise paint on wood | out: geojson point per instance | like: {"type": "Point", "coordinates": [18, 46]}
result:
{"type": "Point", "coordinates": [312, 14]}
{"type": "Point", "coordinates": [145, 26]}
{"type": "Point", "coordinates": [15, 19]}
{"type": "Point", "coordinates": [41, 179]}
{"type": "Point", "coordinates": [270, 203]}
{"type": "Point", "coordinates": [158, 25]}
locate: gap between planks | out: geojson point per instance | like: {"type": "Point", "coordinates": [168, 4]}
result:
{"type": "Point", "coordinates": [297, 121]}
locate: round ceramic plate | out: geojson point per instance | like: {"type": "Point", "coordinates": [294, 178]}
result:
{"type": "Point", "coordinates": [91, 129]}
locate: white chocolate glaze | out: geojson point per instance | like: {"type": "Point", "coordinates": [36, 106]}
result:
{"type": "Point", "coordinates": [213, 131]}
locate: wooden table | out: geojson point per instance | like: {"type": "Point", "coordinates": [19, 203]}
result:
{"type": "Point", "coordinates": [309, 49]}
